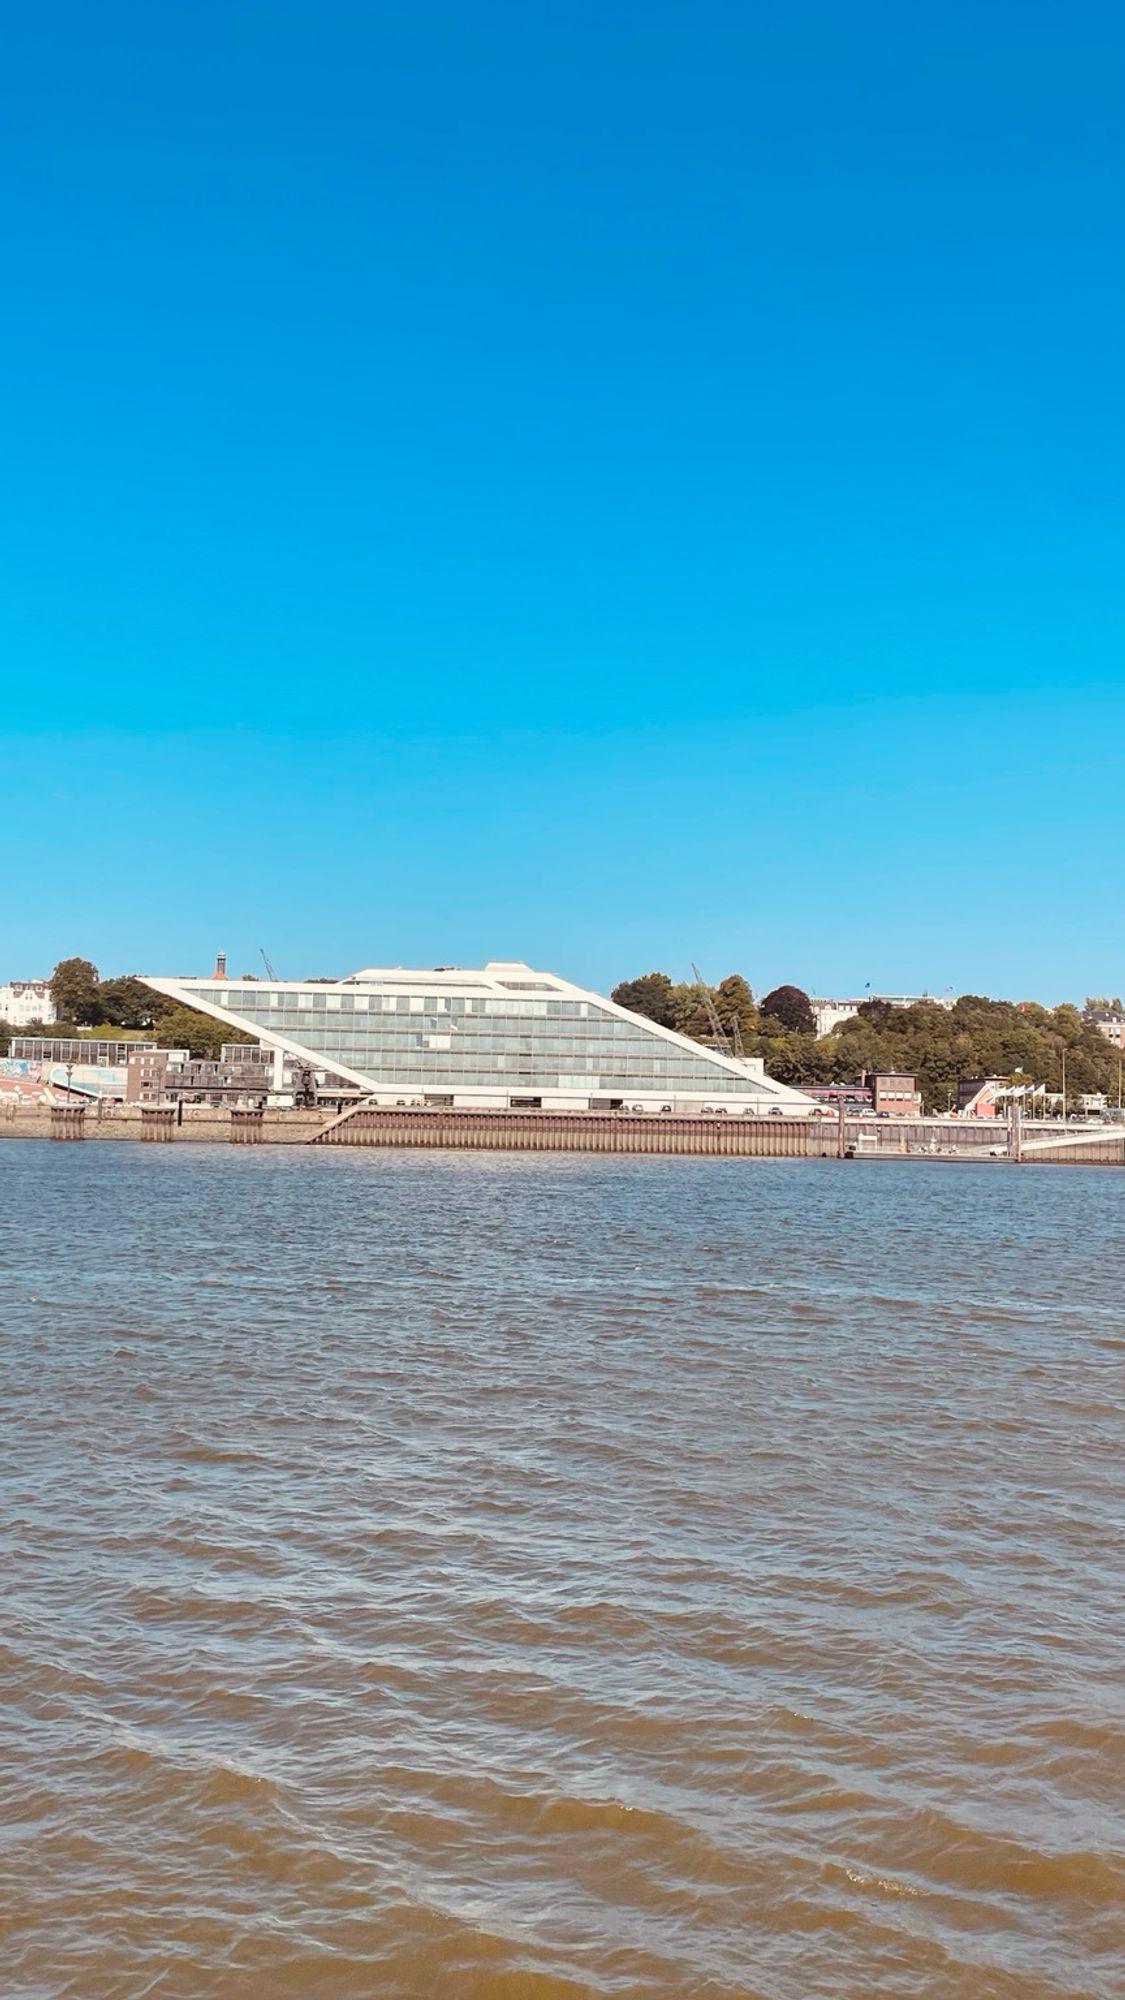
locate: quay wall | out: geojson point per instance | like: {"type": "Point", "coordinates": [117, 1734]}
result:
{"type": "Point", "coordinates": [555, 1131]}
{"type": "Point", "coordinates": [191, 1122]}
{"type": "Point", "coordinates": [698, 1133]}
{"type": "Point", "coordinates": [589, 1132]}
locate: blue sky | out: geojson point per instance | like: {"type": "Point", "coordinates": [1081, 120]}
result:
{"type": "Point", "coordinates": [610, 486]}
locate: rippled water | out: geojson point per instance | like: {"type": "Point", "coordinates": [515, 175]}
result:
{"type": "Point", "coordinates": [519, 1578]}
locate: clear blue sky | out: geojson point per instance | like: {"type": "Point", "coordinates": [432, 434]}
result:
{"type": "Point", "coordinates": [609, 485]}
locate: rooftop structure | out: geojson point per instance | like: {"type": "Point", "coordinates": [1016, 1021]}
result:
{"type": "Point", "coordinates": [502, 1037]}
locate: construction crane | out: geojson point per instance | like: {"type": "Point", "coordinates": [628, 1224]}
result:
{"type": "Point", "coordinates": [727, 1045]}
{"type": "Point", "coordinates": [270, 973]}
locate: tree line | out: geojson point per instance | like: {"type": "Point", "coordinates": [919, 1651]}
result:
{"type": "Point", "coordinates": [123, 1006]}
{"type": "Point", "coordinates": [1017, 1040]}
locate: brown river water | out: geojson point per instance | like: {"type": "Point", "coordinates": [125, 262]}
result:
{"type": "Point", "coordinates": [522, 1578]}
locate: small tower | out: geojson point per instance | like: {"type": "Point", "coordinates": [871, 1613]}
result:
{"type": "Point", "coordinates": [220, 971]}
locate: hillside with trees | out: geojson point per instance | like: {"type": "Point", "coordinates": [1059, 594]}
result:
{"type": "Point", "coordinates": [979, 1037]}
{"type": "Point", "coordinates": [1018, 1040]}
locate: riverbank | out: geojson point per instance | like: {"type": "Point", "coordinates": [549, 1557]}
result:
{"type": "Point", "coordinates": [697, 1134]}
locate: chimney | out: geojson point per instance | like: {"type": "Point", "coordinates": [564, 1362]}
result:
{"type": "Point", "coordinates": [220, 971]}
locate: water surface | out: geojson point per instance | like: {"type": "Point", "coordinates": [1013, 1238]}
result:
{"type": "Point", "coordinates": [519, 1578]}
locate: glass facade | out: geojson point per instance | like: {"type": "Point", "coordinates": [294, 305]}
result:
{"type": "Point", "coordinates": [90, 1050]}
{"type": "Point", "coordinates": [525, 1036]}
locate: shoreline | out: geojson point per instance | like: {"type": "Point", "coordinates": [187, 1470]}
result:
{"type": "Point", "coordinates": [693, 1134]}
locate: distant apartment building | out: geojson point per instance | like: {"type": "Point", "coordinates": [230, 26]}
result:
{"type": "Point", "coordinates": [1109, 1023]}
{"type": "Point", "coordinates": [828, 1014]}
{"type": "Point", "coordinates": [23, 1001]}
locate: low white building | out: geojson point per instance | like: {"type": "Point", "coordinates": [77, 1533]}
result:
{"type": "Point", "coordinates": [828, 1014]}
{"type": "Point", "coordinates": [25, 1000]}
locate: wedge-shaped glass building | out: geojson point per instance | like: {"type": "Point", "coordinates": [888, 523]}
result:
{"type": "Point", "coordinates": [503, 1037]}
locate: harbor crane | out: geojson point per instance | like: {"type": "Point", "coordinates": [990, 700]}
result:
{"type": "Point", "coordinates": [727, 1044]}
{"type": "Point", "coordinates": [270, 973]}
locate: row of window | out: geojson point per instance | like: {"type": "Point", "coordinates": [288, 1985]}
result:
{"type": "Point", "coordinates": [599, 1052]}
{"type": "Point", "coordinates": [426, 1063]}
{"type": "Point", "coordinates": [258, 1006]}
{"type": "Point", "coordinates": [420, 1076]}
{"type": "Point", "coordinates": [595, 1030]}
{"type": "Point", "coordinates": [601, 1045]}
{"type": "Point", "coordinates": [553, 1034]}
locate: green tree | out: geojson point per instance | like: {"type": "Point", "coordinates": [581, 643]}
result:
{"type": "Point", "coordinates": [74, 990]}
{"type": "Point", "coordinates": [790, 1006]}
{"type": "Point", "coordinates": [796, 1058]}
{"type": "Point", "coordinates": [689, 1011]}
{"type": "Point", "coordinates": [734, 1004]}
{"type": "Point", "coordinates": [127, 1001]}
{"type": "Point", "coordinates": [650, 995]}
{"type": "Point", "coordinates": [182, 1028]}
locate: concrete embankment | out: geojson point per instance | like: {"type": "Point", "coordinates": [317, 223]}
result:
{"type": "Point", "coordinates": [161, 1124]}
{"type": "Point", "coordinates": [552, 1131]}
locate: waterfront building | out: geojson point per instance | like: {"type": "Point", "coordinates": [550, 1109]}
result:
{"type": "Point", "coordinates": [91, 1051]}
{"type": "Point", "coordinates": [503, 1037]}
{"type": "Point", "coordinates": [25, 1000]}
{"type": "Point", "coordinates": [994, 1097]}
{"type": "Point", "coordinates": [244, 1072]}
{"type": "Point", "coordinates": [894, 1094]}
{"type": "Point", "coordinates": [853, 1096]}
{"type": "Point", "coordinates": [982, 1096]}
{"type": "Point", "coordinates": [885, 1093]}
